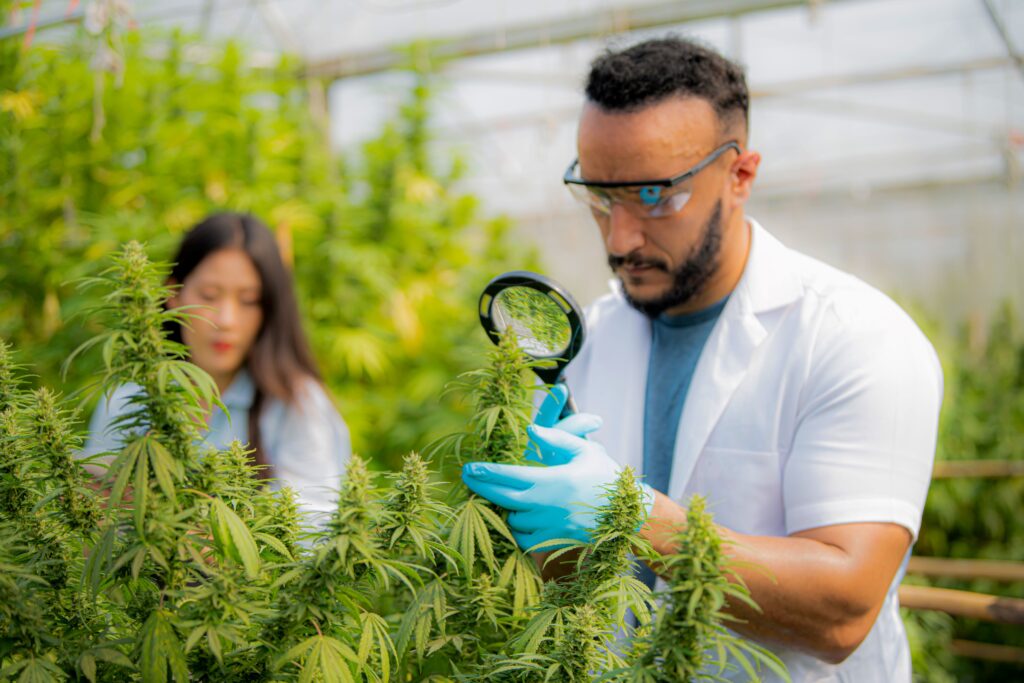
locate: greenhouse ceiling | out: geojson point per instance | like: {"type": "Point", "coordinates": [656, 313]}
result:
{"type": "Point", "coordinates": [850, 97]}
{"type": "Point", "coordinates": [847, 93]}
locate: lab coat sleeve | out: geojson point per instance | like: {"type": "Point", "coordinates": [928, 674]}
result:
{"type": "Point", "coordinates": [309, 451]}
{"type": "Point", "coordinates": [865, 439]}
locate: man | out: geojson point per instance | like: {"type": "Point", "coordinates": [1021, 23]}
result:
{"type": "Point", "coordinates": [800, 401]}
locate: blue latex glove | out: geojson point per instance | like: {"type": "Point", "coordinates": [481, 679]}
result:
{"type": "Point", "coordinates": [557, 501]}
{"type": "Point", "coordinates": [548, 414]}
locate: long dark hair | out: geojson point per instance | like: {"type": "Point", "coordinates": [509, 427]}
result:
{"type": "Point", "coordinates": [280, 359]}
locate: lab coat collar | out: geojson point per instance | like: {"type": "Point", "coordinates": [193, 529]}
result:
{"type": "Point", "coordinates": [768, 282]}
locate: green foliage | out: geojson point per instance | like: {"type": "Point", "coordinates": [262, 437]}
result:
{"type": "Point", "coordinates": [540, 317]}
{"type": "Point", "coordinates": [479, 597]}
{"type": "Point", "coordinates": [502, 400]}
{"type": "Point", "coordinates": [388, 254]}
{"type": "Point", "coordinates": [182, 565]}
{"type": "Point", "coordinates": [577, 619]}
{"type": "Point", "coordinates": [188, 568]}
{"type": "Point", "coordinates": [690, 623]}
{"type": "Point", "coordinates": [929, 634]}
{"type": "Point", "coordinates": [976, 518]}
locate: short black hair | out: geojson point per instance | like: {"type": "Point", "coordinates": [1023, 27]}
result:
{"type": "Point", "coordinates": [652, 71]}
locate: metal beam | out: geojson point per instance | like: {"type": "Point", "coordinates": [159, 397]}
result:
{"type": "Point", "coordinates": [1004, 34]}
{"type": "Point", "coordinates": [67, 18]}
{"type": "Point", "coordinates": [462, 72]}
{"type": "Point", "coordinates": [880, 76]}
{"type": "Point", "coordinates": [544, 33]}
{"type": "Point", "coordinates": [784, 90]}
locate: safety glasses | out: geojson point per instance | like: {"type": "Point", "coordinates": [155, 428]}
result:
{"type": "Point", "coordinates": [642, 198]}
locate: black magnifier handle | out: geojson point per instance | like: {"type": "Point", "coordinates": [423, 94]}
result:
{"type": "Point", "coordinates": [570, 405]}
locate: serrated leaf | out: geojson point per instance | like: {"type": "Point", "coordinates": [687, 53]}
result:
{"type": "Point", "coordinates": [241, 546]}
{"type": "Point", "coordinates": [274, 542]}
{"type": "Point", "coordinates": [124, 465]}
{"type": "Point", "coordinates": [194, 637]}
{"type": "Point", "coordinates": [87, 663]}
{"type": "Point", "coordinates": [161, 650]}
{"type": "Point", "coordinates": [296, 652]}
{"type": "Point", "coordinates": [213, 642]}
{"type": "Point", "coordinates": [528, 642]}
{"type": "Point", "coordinates": [164, 468]}
{"type": "Point", "coordinates": [490, 420]}
{"type": "Point", "coordinates": [137, 561]}
{"type": "Point", "coordinates": [736, 655]}
{"type": "Point", "coordinates": [99, 558]}
{"type": "Point", "coordinates": [496, 522]}
{"type": "Point", "coordinates": [140, 494]}
{"type": "Point", "coordinates": [113, 656]}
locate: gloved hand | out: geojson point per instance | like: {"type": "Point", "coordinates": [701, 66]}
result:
{"type": "Point", "coordinates": [548, 416]}
{"type": "Point", "coordinates": [557, 501]}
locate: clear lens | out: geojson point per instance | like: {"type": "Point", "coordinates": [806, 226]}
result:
{"type": "Point", "coordinates": [672, 204]}
{"type": "Point", "coordinates": [601, 201]}
{"type": "Point", "coordinates": [592, 197]}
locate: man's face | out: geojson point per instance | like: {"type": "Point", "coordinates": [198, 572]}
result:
{"type": "Point", "coordinates": [664, 263]}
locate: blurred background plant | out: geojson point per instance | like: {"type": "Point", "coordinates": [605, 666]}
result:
{"type": "Point", "coordinates": [975, 518]}
{"type": "Point", "coordinates": [388, 255]}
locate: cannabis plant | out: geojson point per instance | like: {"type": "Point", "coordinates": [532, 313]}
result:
{"type": "Point", "coordinates": [571, 635]}
{"type": "Point", "coordinates": [181, 564]}
{"type": "Point", "coordinates": [689, 640]}
{"type": "Point", "coordinates": [479, 596]}
{"type": "Point", "coordinates": [48, 629]}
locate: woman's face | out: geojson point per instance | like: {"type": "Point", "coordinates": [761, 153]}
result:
{"type": "Point", "coordinates": [228, 287]}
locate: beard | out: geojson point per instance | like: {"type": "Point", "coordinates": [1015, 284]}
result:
{"type": "Point", "coordinates": [689, 279]}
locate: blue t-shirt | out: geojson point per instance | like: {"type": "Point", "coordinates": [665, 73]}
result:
{"type": "Point", "coordinates": [676, 344]}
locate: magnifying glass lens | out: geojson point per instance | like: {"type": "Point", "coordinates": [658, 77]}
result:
{"type": "Point", "coordinates": [541, 327]}
{"type": "Point", "coordinates": [546, 320]}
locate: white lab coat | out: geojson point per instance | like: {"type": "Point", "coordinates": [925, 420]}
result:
{"type": "Point", "coordinates": [815, 402]}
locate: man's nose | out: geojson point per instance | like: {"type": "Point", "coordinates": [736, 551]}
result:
{"type": "Point", "coordinates": [625, 231]}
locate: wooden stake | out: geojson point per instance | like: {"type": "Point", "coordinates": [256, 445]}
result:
{"type": "Point", "coordinates": [964, 604]}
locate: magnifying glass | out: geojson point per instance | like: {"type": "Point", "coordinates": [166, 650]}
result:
{"type": "Point", "coordinates": [546, 320]}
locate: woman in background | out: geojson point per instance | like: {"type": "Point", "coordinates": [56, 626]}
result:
{"type": "Point", "coordinates": [246, 333]}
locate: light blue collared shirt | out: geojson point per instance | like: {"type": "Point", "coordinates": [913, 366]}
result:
{"type": "Point", "coordinates": [306, 444]}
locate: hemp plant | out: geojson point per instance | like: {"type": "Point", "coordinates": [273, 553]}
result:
{"type": "Point", "coordinates": [182, 564]}
{"type": "Point", "coordinates": [49, 629]}
{"type": "Point", "coordinates": [175, 548]}
{"type": "Point", "coordinates": [474, 607]}
{"type": "Point", "coordinates": [323, 598]}
{"type": "Point", "coordinates": [689, 640]}
{"type": "Point", "coordinates": [191, 569]}
{"type": "Point", "coordinates": [571, 635]}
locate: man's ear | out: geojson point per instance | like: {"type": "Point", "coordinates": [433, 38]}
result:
{"type": "Point", "coordinates": [742, 175]}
